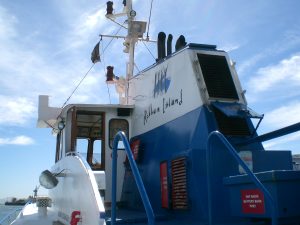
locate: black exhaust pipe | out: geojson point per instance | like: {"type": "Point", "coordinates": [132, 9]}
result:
{"type": "Point", "coordinates": [169, 44]}
{"type": "Point", "coordinates": [180, 43]}
{"type": "Point", "coordinates": [161, 45]}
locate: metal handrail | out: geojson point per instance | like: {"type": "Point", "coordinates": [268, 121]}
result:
{"type": "Point", "coordinates": [244, 166]}
{"type": "Point", "coordinates": [10, 217]}
{"type": "Point", "coordinates": [274, 134]}
{"type": "Point", "coordinates": [149, 211]}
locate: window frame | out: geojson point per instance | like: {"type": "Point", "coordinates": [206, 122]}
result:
{"type": "Point", "coordinates": [90, 150]}
{"type": "Point", "coordinates": [110, 140]}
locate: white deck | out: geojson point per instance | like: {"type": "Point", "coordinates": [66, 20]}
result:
{"type": "Point", "coordinates": [30, 215]}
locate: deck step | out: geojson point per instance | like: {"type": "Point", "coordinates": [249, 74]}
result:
{"type": "Point", "coordinates": [128, 217]}
{"type": "Point", "coordinates": [124, 216]}
{"type": "Point", "coordinates": [133, 217]}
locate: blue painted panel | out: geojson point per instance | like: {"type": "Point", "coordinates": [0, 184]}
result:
{"type": "Point", "coordinates": [283, 185]}
{"type": "Point", "coordinates": [269, 176]}
{"type": "Point", "coordinates": [281, 160]}
{"type": "Point", "coordinates": [168, 142]}
{"type": "Point", "coordinates": [187, 136]}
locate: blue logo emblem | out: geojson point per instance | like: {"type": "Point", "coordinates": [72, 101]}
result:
{"type": "Point", "coordinates": [162, 82]}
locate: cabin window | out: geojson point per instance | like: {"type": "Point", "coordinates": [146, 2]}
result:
{"type": "Point", "coordinates": [82, 147]}
{"type": "Point", "coordinates": [89, 141]}
{"type": "Point", "coordinates": [97, 146]}
{"type": "Point", "coordinates": [116, 125]}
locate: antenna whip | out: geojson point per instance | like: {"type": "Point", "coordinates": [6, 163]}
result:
{"type": "Point", "coordinates": [149, 20]}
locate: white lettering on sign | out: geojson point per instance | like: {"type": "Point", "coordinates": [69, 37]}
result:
{"type": "Point", "coordinates": [252, 202]}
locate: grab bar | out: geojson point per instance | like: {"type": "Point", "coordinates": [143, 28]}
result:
{"type": "Point", "coordinates": [120, 136]}
{"type": "Point", "coordinates": [252, 176]}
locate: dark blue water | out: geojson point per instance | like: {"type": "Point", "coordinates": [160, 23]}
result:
{"type": "Point", "coordinates": [5, 210]}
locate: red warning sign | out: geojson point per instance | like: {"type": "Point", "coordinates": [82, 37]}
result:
{"type": "Point", "coordinates": [135, 147]}
{"type": "Point", "coordinates": [164, 185]}
{"type": "Point", "coordinates": [253, 201]}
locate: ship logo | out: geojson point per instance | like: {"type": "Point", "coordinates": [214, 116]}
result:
{"type": "Point", "coordinates": [162, 82]}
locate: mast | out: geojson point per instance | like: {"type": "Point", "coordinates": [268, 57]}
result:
{"type": "Point", "coordinates": [135, 31]}
{"type": "Point", "coordinates": [132, 41]}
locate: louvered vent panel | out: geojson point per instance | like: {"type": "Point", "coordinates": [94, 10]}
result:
{"type": "Point", "coordinates": [217, 77]}
{"type": "Point", "coordinates": [234, 126]}
{"type": "Point", "coordinates": [179, 184]}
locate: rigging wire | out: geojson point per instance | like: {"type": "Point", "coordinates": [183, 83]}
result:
{"type": "Point", "coordinates": [137, 67]}
{"type": "Point", "coordinates": [103, 50]}
{"type": "Point", "coordinates": [49, 125]}
{"type": "Point", "coordinates": [108, 93]}
{"type": "Point", "coordinates": [149, 20]}
{"type": "Point", "coordinates": [121, 25]}
{"type": "Point", "coordinates": [103, 59]}
{"type": "Point", "coordinates": [78, 85]}
{"type": "Point", "coordinates": [149, 50]}
{"type": "Point", "coordinates": [89, 71]}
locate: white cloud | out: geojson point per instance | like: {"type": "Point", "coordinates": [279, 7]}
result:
{"type": "Point", "coordinates": [229, 47]}
{"type": "Point", "coordinates": [19, 140]}
{"type": "Point", "coordinates": [85, 27]}
{"type": "Point", "coordinates": [249, 63]}
{"type": "Point", "coordinates": [7, 23]}
{"type": "Point", "coordinates": [276, 144]}
{"type": "Point", "coordinates": [283, 116]}
{"type": "Point", "coordinates": [16, 111]}
{"type": "Point", "coordinates": [279, 118]}
{"type": "Point", "coordinates": [288, 70]}
{"type": "Point", "coordinates": [290, 39]}
{"type": "Point", "coordinates": [28, 71]}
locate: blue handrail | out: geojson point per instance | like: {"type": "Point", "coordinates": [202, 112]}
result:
{"type": "Point", "coordinates": [274, 134]}
{"type": "Point", "coordinates": [252, 176]}
{"type": "Point", "coordinates": [149, 211]}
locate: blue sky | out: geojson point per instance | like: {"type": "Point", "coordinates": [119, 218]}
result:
{"type": "Point", "coordinates": [45, 48]}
